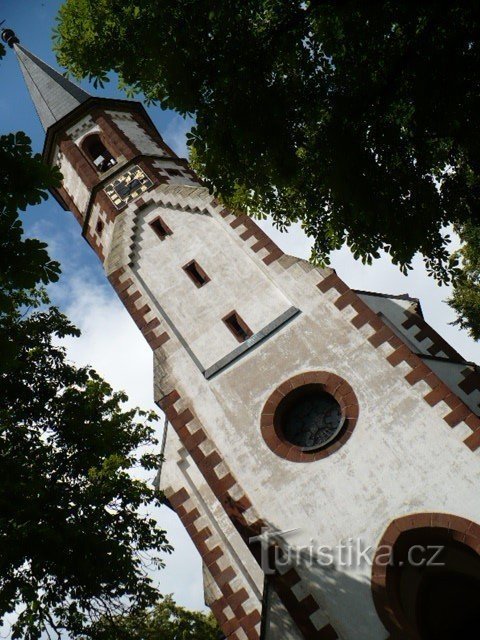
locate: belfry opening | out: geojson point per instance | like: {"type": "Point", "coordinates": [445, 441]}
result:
{"type": "Point", "coordinates": [98, 153]}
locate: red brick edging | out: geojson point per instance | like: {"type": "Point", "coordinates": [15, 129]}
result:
{"type": "Point", "coordinates": [419, 370]}
{"type": "Point", "coordinates": [138, 313]}
{"type": "Point", "coordinates": [263, 241]}
{"type": "Point", "coordinates": [224, 578]}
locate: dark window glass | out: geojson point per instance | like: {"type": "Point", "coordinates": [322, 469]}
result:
{"type": "Point", "coordinates": [160, 228]}
{"type": "Point", "coordinates": [237, 326]}
{"type": "Point", "coordinates": [196, 273]}
{"type": "Point", "coordinates": [308, 417]}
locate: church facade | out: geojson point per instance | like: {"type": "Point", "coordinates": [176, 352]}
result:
{"type": "Point", "coordinates": [323, 451]}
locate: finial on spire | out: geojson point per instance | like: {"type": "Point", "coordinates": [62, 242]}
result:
{"type": "Point", "coordinates": [8, 36]}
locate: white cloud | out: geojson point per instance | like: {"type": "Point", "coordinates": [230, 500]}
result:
{"type": "Point", "coordinates": [113, 345]}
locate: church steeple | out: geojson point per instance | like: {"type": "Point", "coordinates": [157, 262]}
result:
{"type": "Point", "coordinates": [53, 95]}
{"type": "Point", "coordinates": [91, 139]}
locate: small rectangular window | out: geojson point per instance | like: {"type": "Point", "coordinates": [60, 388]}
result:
{"type": "Point", "coordinates": [160, 228]}
{"type": "Point", "coordinates": [99, 227]}
{"type": "Point", "coordinates": [237, 326]}
{"type": "Point", "coordinates": [196, 273]}
{"type": "Point", "coordinates": [174, 172]}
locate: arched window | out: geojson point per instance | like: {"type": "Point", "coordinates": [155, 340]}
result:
{"type": "Point", "coordinates": [98, 153]}
{"type": "Point", "coordinates": [430, 587]}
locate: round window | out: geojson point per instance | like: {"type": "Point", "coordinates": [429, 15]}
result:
{"type": "Point", "coordinates": [309, 417]}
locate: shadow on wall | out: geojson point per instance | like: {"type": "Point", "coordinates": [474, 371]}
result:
{"type": "Point", "coordinates": [339, 579]}
{"type": "Point", "coordinates": [426, 577]}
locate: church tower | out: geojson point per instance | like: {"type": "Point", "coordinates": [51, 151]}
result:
{"type": "Point", "coordinates": [314, 430]}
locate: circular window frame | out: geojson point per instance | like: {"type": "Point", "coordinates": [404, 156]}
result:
{"type": "Point", "coordinates": [329, 383]}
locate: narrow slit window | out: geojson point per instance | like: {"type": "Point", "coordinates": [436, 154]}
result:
{"type": "Point", "coordinates": [99, 227]}
{"type": "Point", "coordinates": [160, 228]}
{"type": "Point", "coordinates": [237, 326]}
{"type": "Point", "coordinates": [195, 272]}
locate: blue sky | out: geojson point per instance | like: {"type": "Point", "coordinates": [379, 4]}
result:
{"type": "Point", "coordinates": [110, 341]}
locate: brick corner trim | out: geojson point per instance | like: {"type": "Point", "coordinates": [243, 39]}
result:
{"type": "Point", "coordinates": [240, 510]}
{"type": "Point", "coordinates": [135, 303]}
{"type": "Point", "coordinates": [247, 228]}
{"type": "Point", "coordinates": [328, 382]}
{"type": "Point", "coordinates": [419, 370]}
{"type": "Point", "coordinates": [453, 528]}
{"type": "Point", "coordinates": [233, 596]}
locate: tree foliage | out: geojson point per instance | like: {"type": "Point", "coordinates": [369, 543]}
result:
{"type": "Point", "coordinates": [24, 181]}
{"type": "Point", "coordinates": [466, 292]}
{"type": "Point", "coordinates": [358, 119]}
{"type": "Point", "coordinates": [164, 621]}
{"type": "Point", "coordinates": [72, 536]}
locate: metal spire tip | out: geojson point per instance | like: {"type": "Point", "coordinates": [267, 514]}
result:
{"type": "Point", "coordinates": [8, 36]}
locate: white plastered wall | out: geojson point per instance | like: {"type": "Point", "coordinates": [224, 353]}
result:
{"type": "Point", "coordinates": [130, 127]}
{"type": "Point", "coordinates": [402, 457]}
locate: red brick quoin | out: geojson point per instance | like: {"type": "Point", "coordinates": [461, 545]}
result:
{"type": "Point", "coordinates": [459, 411]}
{"type": "Point", "coordinates": [300, 606]}
{"type": "Point", "coordinates": [330, 383]}
{"type": "Point", "coordinates": [383, 584]}
{"type": "Point", "coordinates": [224, 575]}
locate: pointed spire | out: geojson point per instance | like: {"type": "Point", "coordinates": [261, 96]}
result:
{"type": "Point", "coordinates": [53, 95]}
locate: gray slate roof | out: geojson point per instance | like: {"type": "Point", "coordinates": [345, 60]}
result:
{"type": "Point", "coordinates": [53, 95]}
